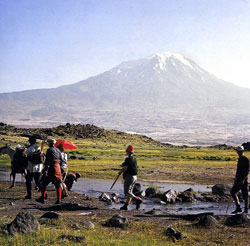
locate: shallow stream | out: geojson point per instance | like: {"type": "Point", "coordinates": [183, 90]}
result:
{"type": "Point", "coordinates": [95, 187]}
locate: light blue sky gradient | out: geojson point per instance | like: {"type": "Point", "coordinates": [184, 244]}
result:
{"type": "Point", "coordinates": [48, 43]}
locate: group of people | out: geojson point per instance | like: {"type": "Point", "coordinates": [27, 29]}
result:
{"type": "Point", "coordinates": [54, 169]}
{"type": "Point", "coordinates": [48, 168]}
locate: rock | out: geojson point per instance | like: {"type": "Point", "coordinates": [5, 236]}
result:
{"type": "Point", "coordinates": [150, 192]}
{"type": "Point", "coordinates": [87, 224]}
{"type": "Point", "coordinates": [117, 221]}
{"type": "Point", "coordinates": [169, 196]}
{"type": "Point", "coordinates": [115, 197]}
{"type": "Point", "coordinates": [105, 198]}
{"type": "Point", "coordinates": [238, 219]}
{"type": "Point", "coordinates": [23, 223]}
{"type": "Point", "coordinates": [50, 215]}
{"type": "Point", "coordinates": [221, 189]}
{"type": "Point", "coordinates": [207, 221]}
{"type": "Point", "coordinates": [186, 196]}
{"type": "Point", "coordinates": [76, 239]}
{"type": "Point", "coordinates": [171, 232]}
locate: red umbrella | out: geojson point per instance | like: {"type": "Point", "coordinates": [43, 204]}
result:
{"type": "Point", "coordinates": [66, 144]}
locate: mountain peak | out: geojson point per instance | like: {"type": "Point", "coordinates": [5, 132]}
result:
{"type": "Point", "coordinates": [168, 57]}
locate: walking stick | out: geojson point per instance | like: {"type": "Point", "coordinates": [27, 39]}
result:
{"type": "Point", "coordinates": [115, 180]}
{"type": "Point", "coordinates": [228, 204]}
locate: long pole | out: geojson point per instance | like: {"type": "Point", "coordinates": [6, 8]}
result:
{"type": "Point", "coordinates": [115, 180]}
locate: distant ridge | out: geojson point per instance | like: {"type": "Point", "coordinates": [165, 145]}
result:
{"type": "Point", "coordinates": [165, 96]}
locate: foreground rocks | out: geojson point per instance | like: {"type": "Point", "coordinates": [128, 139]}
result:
{"type": "Point", "coordinates": [23, 223]}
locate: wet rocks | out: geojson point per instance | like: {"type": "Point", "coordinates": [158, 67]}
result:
{"type": "Point", "coordinates": [23, 223]}
{"type": "Point", "coordinates": [187, 196]}
{"type": "Point", "coordinates": [238, 219]}
{"type": "Point", "coordinates": [221, 189]}
{"type": "Point", "coordinates": [117, 221]}
{"type": "Point", "coordinates": [169, 196]}
{"type": "Point", "coordinates": [150, 192]}
{"type": "Point", "coordinates": [105, 197]}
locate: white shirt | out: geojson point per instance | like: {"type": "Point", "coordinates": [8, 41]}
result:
{"type": "Point", "coordinates": [33, 167]}
{"type": "Point", "coordinates": [64, 160]}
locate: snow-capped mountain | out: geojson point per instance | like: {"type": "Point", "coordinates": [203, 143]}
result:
{"type": "Point", "coordinates": [151, 96]}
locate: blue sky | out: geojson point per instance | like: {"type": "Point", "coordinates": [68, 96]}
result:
{"type": "Point", "coordinates": [45, 44]}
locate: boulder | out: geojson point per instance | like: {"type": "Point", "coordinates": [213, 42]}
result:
{"type": "Point", "coordinates": [207, 221]}
{"type": "Point", "coordinates": [238, 219]}
{"type": "Point", "coordinates": [169, 196]}
{"type": "Point", "coordinates": [186, 196]}
{"type": "Point", "coordinates": [150, 192]}
{"type": "Point", "coordinates": [24, 222]}
{"type": "Point", "coordinates": [117, 221]}
{"type": "Point", "coordinates": [87, 224]}
{"type": "Point", "coordinates": [221, 189]}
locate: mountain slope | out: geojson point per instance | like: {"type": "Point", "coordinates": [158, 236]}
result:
{"type": "Point", "coordinates": [147, 95]}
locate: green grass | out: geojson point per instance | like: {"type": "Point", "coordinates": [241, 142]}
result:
{"type": "Point", "coordinates": [190, 164]}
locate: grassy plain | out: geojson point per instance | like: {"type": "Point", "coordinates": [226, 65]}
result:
{"type": "Point", "coordinates": [101, 158]}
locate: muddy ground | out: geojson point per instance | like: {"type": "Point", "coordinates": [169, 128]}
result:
{"type": "Point", "coordinates": [12, 202]}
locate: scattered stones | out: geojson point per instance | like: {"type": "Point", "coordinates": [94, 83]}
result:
{"type": "Point", "coordinates": [117, 221]}
{"type": "Point", "coordinates": [238, 219]}
{"type": "Point", "coordinates": [76, 239]}
{"type": "Point", "coordinates": [23, 223]}
{"type": "Point", "coordinates": [207, 221]}
{"type": "Point", "coordinates": [51, 215]}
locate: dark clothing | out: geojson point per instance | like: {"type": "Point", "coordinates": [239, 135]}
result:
{"type": "Point", "coordinates": [242, 169]}
{"type": "Point", "coordinates": [29, 177]}
{"type": "Point", "coordinates": [241, 181]}
{"type": "Point", "coordinates": [19, 162]}
{"type": "Point", "coordinates": [131, 163]}
{"type": "Point", "coordinates": [239, 186]}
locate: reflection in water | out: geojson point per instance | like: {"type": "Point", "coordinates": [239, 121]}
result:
{"type": "Point", "coordinates": [95, 187]}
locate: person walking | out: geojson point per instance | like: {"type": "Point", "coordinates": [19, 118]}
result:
{"type": "Point", "coordinates": [52, 172]}
{"type": "Point", "coordinates": [241, 181]}
{"type": "Point", "coordinates": [64, 161]}
{"type": "Point", "coordinates": [130, 171]}
{"type": "Point", "coordinates": [34, 167]}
